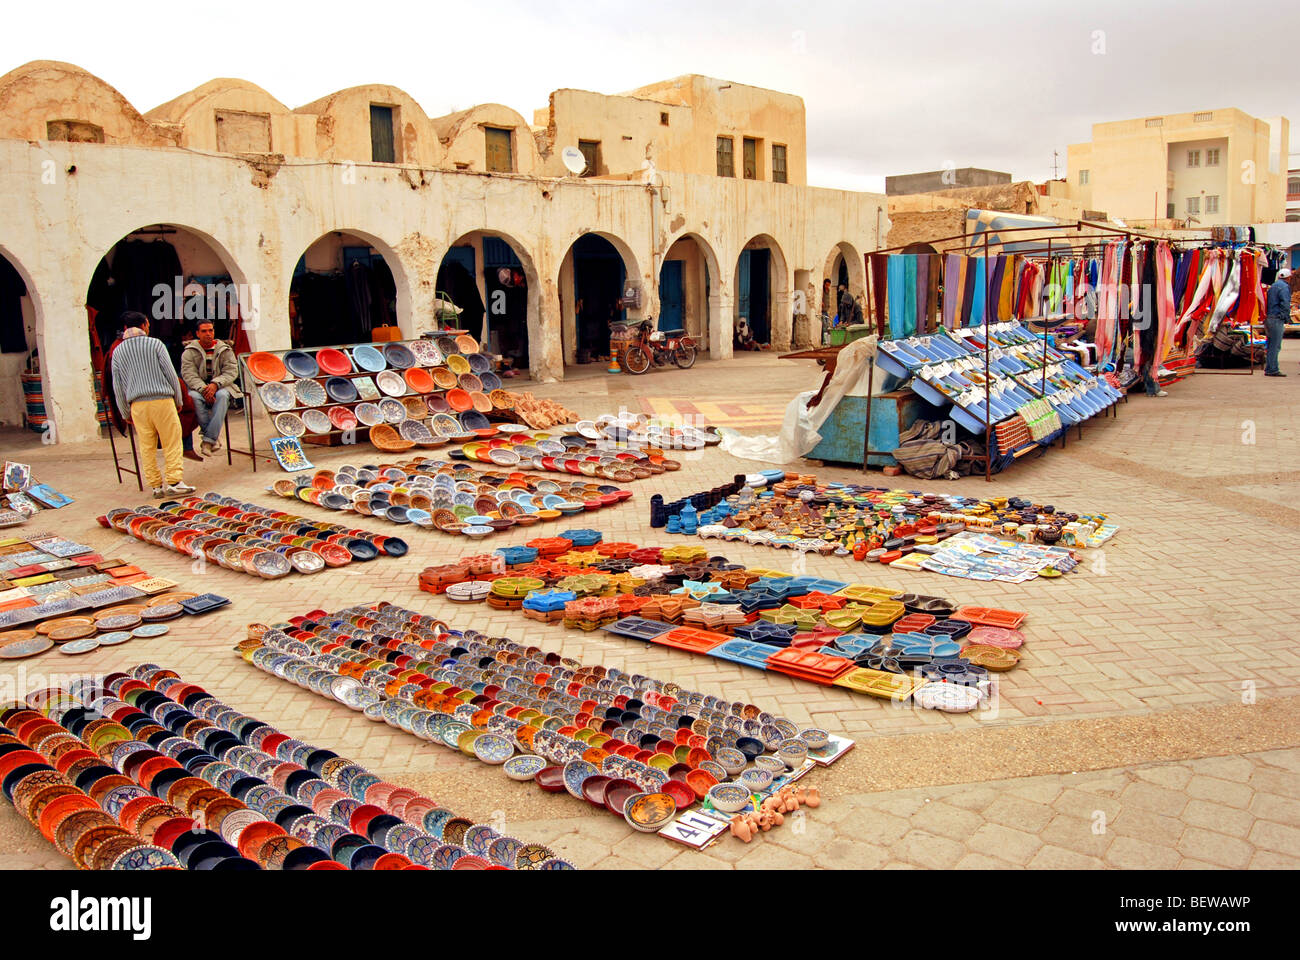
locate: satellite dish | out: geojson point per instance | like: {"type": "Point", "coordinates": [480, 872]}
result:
{"type": "Point", "coordinates": [573, 160]}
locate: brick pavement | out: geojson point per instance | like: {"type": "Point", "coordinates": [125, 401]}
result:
{"type": "Point", "coordinates": [1183, 610]}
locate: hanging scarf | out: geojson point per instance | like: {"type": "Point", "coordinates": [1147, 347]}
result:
{"type": "Point", "coordinates": [879, 289]}
{"type": "Point", "coordinates": [952, 285]}
{"type": "Point", "coordinates": [1164, 293]}
{"type": "Point", "coordinates": [979, 292]}
{"type": "Point", "coordinates": [921, 266]}
{"type": "Point", "coordinates": [1227, 298]}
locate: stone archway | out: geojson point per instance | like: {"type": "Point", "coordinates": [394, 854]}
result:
{"type": "Point", "coordinates": [596, 271]}
{"type": "Point", "coordinates": [762, 285]}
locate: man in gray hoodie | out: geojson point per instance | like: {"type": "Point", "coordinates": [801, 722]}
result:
{"type": "Point", "coordinates": [210, 369]}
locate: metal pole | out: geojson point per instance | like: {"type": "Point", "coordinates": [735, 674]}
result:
{"type": "Point", "coordinates": [988, 387]}
{"type": "Point", "coordinates": [1045, 327]}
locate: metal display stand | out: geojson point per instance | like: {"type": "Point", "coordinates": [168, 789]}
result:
{"type": "Point", "coordinates": [247, 380]}
{"type": "Point", "coordinates": [1046, 232]}
{"type": "Point", "coordinates": [112, 443]}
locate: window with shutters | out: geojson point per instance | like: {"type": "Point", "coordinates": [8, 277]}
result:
{"type": "Point", "coordinates": [1193, 158]}
{"type": "Point", "coordinates": [1212, 157]}
{"type": "Point", "coordinates": [1083, 177]}
{"type": "Point", "coordinates": [779, 174]}
{"type": "Point", "coordinates": [750, 147]}
{"type": "Point", "coordinates": [500, 156]}
{"type": "Point", "coordinates": [591, 153]}
{"type": "Point", "coordinates": [383, 147]}
{"type": "Point", "coordinates": [1212, 203]}
{"type": "Point", "coordinates": [1193, 205]}
{"type": "Point", "coordinates": [726, 157]}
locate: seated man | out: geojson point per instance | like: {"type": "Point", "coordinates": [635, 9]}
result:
{"type": "Point", "coordinates": [209, 369]}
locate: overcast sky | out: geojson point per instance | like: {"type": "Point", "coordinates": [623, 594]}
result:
{"type": "Point", "coordinates": [893, 87]}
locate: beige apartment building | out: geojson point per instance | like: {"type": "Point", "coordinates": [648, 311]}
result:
{"type": "Point", "coordinates": [691, 206]}
{"type": "Point", "coordinates": [1202, 169]}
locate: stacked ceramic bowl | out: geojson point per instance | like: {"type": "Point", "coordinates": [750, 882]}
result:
{"type": "Point", "coordinates": [248, 538]}
{"type": "Point", "coordinates": [490, 697]}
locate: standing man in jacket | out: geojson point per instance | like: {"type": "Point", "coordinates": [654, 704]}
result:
{"type": "Point", "coordinates": [209, 369]}
{"type": "Point", "coordinates": [1278, 309]}
{"type": "Point", "coordinates": [148, 395]}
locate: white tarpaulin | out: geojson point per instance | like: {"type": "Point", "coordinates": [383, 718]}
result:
{"type": "Point", "coordinates": [799, 430]}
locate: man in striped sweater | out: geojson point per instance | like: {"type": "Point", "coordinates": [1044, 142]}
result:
{"type": "Point", "coordinates": [148, 395]}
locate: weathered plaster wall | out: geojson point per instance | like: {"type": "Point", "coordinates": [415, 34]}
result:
{"type": "Point", "coordinates": [258, 219]}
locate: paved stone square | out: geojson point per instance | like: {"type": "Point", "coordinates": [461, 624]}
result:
{"type": "Point", "coordinates": [1152, 723]}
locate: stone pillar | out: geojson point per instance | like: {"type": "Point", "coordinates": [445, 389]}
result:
{"type": "Point", "coordinates": [781, 320]}
{"type": "Point", "coordinates": [67, 378]}
{"type": "Point", "coordinates": [722, 323]}
{"type": "Point", "coordinates": [562, 301]}
{"type": "Point", "coordinates": [545, 351]}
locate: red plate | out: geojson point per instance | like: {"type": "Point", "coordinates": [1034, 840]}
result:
{"type": "Point", "coordinates": [333, 362]}
{"type": "Point", "coordinates": [551, 779]}
{"type": "Point", "coordinates": [342, 418]}
{"type": "Point", "coordinates": [266, 367]}
{"type": "Point", "coordinates": [459, 400]}
{"type": "Point", "coordinates": [419, 380]}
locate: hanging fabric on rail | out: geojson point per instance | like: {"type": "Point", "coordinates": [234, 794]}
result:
{"type": "Point", "coordinates": [879, 289]}
{"type": "Point", "coordinates": [935, 275]}
{"type": "Point", "coordinates": [1164, 296]}
{"type": "Point", "coordinates": [967, 292]}
{"type": "Point", "coordinates": [1146, 326]}
{"type": "Point", "coordinates": [1227, 298]}
{"type": "Point", "coordinates": [902, 296]}
{"type": "Point", "coordinates": [1007, 295]}
{"type": "Point", "coordinates": [1200, 303]}
{"type": "Point", "coordinates": [922, 267]}
{"type": "Point", "coordinates": [979, 292]}
{"type": "Point", "coordinates": [1108, 303]}
{"type": "Point", "coordinates": [953, 282]}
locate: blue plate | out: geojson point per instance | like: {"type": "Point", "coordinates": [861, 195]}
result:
{"type": "Point", "coordinates": [368, 359]}
{"type": "Point", "coordinates": [341, 390]}
{"type": "Point", "coordinates": [301, 365]}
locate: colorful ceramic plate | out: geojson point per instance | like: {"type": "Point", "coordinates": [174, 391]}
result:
{"type": "Point", "coordinates": [391, 383]}
{"type": "Point", "coordinates": [316, 421]}
{"type": "Point", "coordinates": [290, 425]}
{"type": "Point", "coordinates": [309, 393]}
{"type": "Point", "coordinates": [369, 414]}
{"type": "Point", "coordinates": [80, 646]}
{"type": "Point", "coordinates": [368, 358]}
{"type": "Point", "coordinates": [523, 767]}
{"type": "Point", "coordinates": [301, 364]}
{"type": "Point", "coordinates": [266, 367]}
{"type": "Point", "coordinates": [150, 630]}
{"type": "Point", "coordinates": [649, 812]}
{"type": "Point", "coordinates": [493, 748]}
{"type": "Point", "coordinates": [277, 396]}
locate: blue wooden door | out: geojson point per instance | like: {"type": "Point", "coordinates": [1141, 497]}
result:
{"type": "Point", "coordinates": [742, 285]}
{"type": "Point", "coordinates": [672, 315]}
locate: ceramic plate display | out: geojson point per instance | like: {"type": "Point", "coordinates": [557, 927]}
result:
{"type": "Point", "coordinates": [290, 425]}
{"type": "Point", "coordinates": [369, 414]}
{"type": "Point", "coordinates": [393, 411]}
{"type": "Point", "coordinates": [80, 646]}
{"type": "Point", "coordinates": [301, 364]}
{"type": "Point", "coordinates": [948, 697]}
{"type": "Point", "coordinates": [17, 649]}
{"type": "Point", "coordinates": [398, 356]}
{"type": "Point", "coordinates": [649, 812]}
{"type": "Point", "coordinates": [316, 421]}
{"type": "Point", "coordinates": [493, 748]}
{"type": "Point", "coordinates": [277, 396]}
{"type": "Point", "coordinates": [343, 418]}
{"type": "Point", "coordinates": [391, 383]}
{"type": "Point", "coordinates": [419, 380]}
{"type": "Point", "coordinates": [340, 390]}
{"type": "Point", "coordinates": [266, 367]}
{"type": "Point", "coordinates": [425, 353]}
{"type": "Point", "coordinates": [309, 393]}
{"type": "Point", "coordinates": [333, 362]}
{"type": "Point", "coordinates": [368, 358]}
{"type": "Point", "coordinates": [523, 767]}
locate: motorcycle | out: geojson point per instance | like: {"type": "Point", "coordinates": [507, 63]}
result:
{"type": "Point", "coordinates": [655, 347]}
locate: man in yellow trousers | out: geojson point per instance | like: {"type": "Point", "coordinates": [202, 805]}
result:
{"type": "Point", "coordinates": [148, 394]}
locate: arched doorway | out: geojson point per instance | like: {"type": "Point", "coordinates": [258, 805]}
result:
{"type": "Point", "coordinates": [687, 279]}
{"type": "Point", "coordinates": [761, 280]}
{"type": "Point", "coordinates": [845, 272]}
{"type": "Point", "coordinates": [177, 277]}
{"type": "Point", "coordinates": [17, 340]}
{"type": "Point", "coordinates": [594, 279]}
{"type": "Point", "coordinates": [344, 289]}
{"type": "Point", "coordinates": [491, 280]}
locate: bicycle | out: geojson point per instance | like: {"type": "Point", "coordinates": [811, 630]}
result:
{"type": "Point", "coordinates": [655, 347]}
